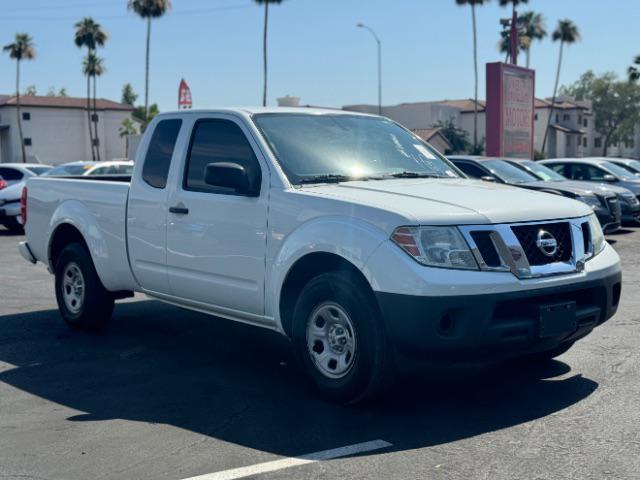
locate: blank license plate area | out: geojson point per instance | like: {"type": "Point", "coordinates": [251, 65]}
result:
{"type": "Point", "coordinates": [557, 319]}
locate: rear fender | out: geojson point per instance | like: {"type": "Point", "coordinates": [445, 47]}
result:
{"type": "Point", "coordinates": [108, 249]}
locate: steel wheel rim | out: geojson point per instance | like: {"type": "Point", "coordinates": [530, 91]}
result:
{"type": "Point", "coordinates": [331, 340]}
{"type": "Point", "coordinates": [73, 287]}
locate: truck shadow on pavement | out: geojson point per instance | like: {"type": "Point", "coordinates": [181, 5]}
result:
{"type": "Point", "coordinates": [161, 364]}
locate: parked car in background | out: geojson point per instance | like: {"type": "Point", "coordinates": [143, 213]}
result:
{"type": "Point", "coordinates": [13, 178]}
{"type": "Point", "coordinates": [611, 198]}
{"type": "Point", "coordinates": [13, 173]}
{"type": "Point", "coordinates": [116, 167]}
{"type": "Point", "coordinates": [601, 170]}
{"type": "Point", "coordinates": [627, 163]}
{"type": "Point", "coordinates": [344, 232]}
{"type": "Point", "coordinates": [501, 170]}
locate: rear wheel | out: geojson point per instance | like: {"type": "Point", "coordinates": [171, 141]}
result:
{"type": "Point", "coordinates": [340, 339]}
{"type": "Point", "coordinates": [83, 301]}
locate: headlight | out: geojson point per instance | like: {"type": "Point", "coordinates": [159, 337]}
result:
{"type": "Point", "coordinates": [591, 200]}
{"type": "Point", "coordinates": [597, 237]}
{"type": "Point", "coordinates": [435, 246]}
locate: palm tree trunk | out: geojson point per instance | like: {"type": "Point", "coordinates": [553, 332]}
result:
{"type": "Point", "coordinates": [24, 151]}
{"type": "Point", "coordinates": [95, 121]}
{"type": "Point", "coordinates": [93, 151]}
{"type": "Point", "coordinates": [528, 55]}
{"type": "Point", "coordinates": [264, 53]}
{"type": "Point", "coordinates": [146, 74]}
{"type": "Point", "coordinates": [553, 98]}
{"type": "Point", "coordinates": [475, 72]}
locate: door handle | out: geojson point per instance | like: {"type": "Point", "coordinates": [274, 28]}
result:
{"type": "Point", "coordinates": [179, 210]}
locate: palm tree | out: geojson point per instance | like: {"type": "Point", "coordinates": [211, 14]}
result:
{"type": "Point", "coordinates": [94, 67]}
{"type": "Point", "coordinates": [534, 28]}
{"type": "Point", "coordinates": [148, 9]}
{"type": "Point", "coordinates": [473, 4]}
{"type": "Point", "coordinates": [504, 45]}
{"type": "Point", "coordinates": [22, 48]}
{"type": "Point", "coordinates": [634, 70]}
{"type": "Point", "coordinates": [127, 127]}
{"type": "Point", "coordinates": [90, 34]}
{"type": "Point", "coordinates": [264, 44]}
{"type": "Point", "coordinates": [566, 32]}
{"type": "Point", "coordinates": [513, 3]}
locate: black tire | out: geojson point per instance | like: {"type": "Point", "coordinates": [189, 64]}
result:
{"type": "Point", "coordinates": [96, 305]}
{"type": "Point", "coordinates": [13, 225]}
{"type": "Point", "coordinates": [548, 355]}
{"type": "Point", "coordinates": [371, 368]}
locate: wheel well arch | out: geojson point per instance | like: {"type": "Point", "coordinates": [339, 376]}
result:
{"type": "Point", "coordinates": [63, 235]}
{"type": "Point", "coordinates": [306, 268]}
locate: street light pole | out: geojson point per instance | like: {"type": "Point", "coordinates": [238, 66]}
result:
{"type": "Point", "coordinates": [362, 25]}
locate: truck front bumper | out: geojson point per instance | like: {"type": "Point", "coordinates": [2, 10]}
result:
{"type": "Point", "coordinates": [495, 325]}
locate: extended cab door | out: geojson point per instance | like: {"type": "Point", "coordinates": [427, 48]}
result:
{"type": "Point", "coordinates": [147, 207]}
{"type": "Point", "coordinates": [216, 238]}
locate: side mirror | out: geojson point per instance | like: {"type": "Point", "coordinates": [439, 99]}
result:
{"type": "Point", "coordinates": [488, 178]}
{"type": "Point", "coordinates": [609, 178]}
{"type": "Point", "coordinates": [228, 175]}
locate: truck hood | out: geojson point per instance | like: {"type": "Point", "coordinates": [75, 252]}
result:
{"type": "Point", "coordinates": [452, 201]}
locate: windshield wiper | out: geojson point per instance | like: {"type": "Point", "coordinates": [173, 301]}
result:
{"type": "Point", "coordinates": [408, 174]}
{"type": "Point", "coordinates": [328, 178]}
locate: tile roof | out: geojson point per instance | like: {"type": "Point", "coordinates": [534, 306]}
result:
{"type": "Point", "coordinates": [62, 102]}
{"type": "Point", "coordinates": [428, 133]}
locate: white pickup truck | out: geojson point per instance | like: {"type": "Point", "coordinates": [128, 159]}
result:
{"type": "Point", "coordinates": [344, 232]}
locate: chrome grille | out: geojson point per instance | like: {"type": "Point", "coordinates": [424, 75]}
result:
{"type": "Point", "coordinates": [514, 247]}
{"type": "Point", "coordinates": [528, 237]}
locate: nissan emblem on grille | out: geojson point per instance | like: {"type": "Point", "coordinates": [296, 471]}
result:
{"type": "Point", "coordinates": [546, 243]}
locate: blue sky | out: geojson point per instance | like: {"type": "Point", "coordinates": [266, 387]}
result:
{"type": "Point", "coordinates": [316, 51]}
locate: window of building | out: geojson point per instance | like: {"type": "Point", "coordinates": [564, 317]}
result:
{"type": "Point", "coordinates": [584, 142]}
{"type": "Point", "coordinates": [567, 140]}
{"type": "Point", "coordinates": [557, 118]}
{"type": "Point", "coordinates": [26, 116]}
{"type": "Point", "coordinates": [566, 117]}
{"type": "Point", "coordinates": [27, 142]}
{"type": "Point", "coordinates": [579, 119]}
{"type": "Point", "coordinates": [597, 142]}
{"type": "Point", "coordinates": [585, 122]}
{"type": "Point", "coordinates": [158, 160]}
{"type": "Point", "coordinates": [219, 141]}
{"type": "Point", "coordinates": [535, 116]}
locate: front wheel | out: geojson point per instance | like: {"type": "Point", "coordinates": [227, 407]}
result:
{"type": "Point", "coordinates": [83, 301]}
{"type": "Point", "coordinates": [340, 339]}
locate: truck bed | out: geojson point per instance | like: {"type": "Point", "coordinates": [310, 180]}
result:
{"type": "Point", "coordinates": [84, 202]}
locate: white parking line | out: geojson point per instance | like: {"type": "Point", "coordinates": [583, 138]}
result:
{"type": "Point", "coordinates": [293, 461]}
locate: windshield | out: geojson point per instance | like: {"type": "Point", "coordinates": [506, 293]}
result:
{"type": "Point", "coordinates": [618, 171]}
{"type": "Point", "coordinates": [38, 170]}
{"type": "Point", "coordinates": [508, 173]}
{"type": "Point", "coordinates": [633, 166]}
{"type": "Point", "coordinates": [542, 172]}
{"type": "Point", "coordinates": [344, 147]}
{"type": "Point", "coordinates": [68, 170]}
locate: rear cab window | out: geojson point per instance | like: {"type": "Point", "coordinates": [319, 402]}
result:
{"type": "Point", "coordinates": [155, 169]}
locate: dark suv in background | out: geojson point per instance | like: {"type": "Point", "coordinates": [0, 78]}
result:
{"type": "Point", "coordinates": [601, 170]}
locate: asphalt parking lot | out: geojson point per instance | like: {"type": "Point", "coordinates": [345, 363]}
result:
{"type": "Point", "coordinates": [164, 393]}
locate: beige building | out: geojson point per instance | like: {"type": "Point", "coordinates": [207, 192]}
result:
{"type": "Point", "coordinates": [571, 133]}
{"type": "Point", "coordinates": [55, 129]}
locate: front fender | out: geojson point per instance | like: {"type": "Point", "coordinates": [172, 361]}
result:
{"type": "Point", "coordinates": [106, 243]}
{"type": "Point", "coordinates": [352, 239]}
